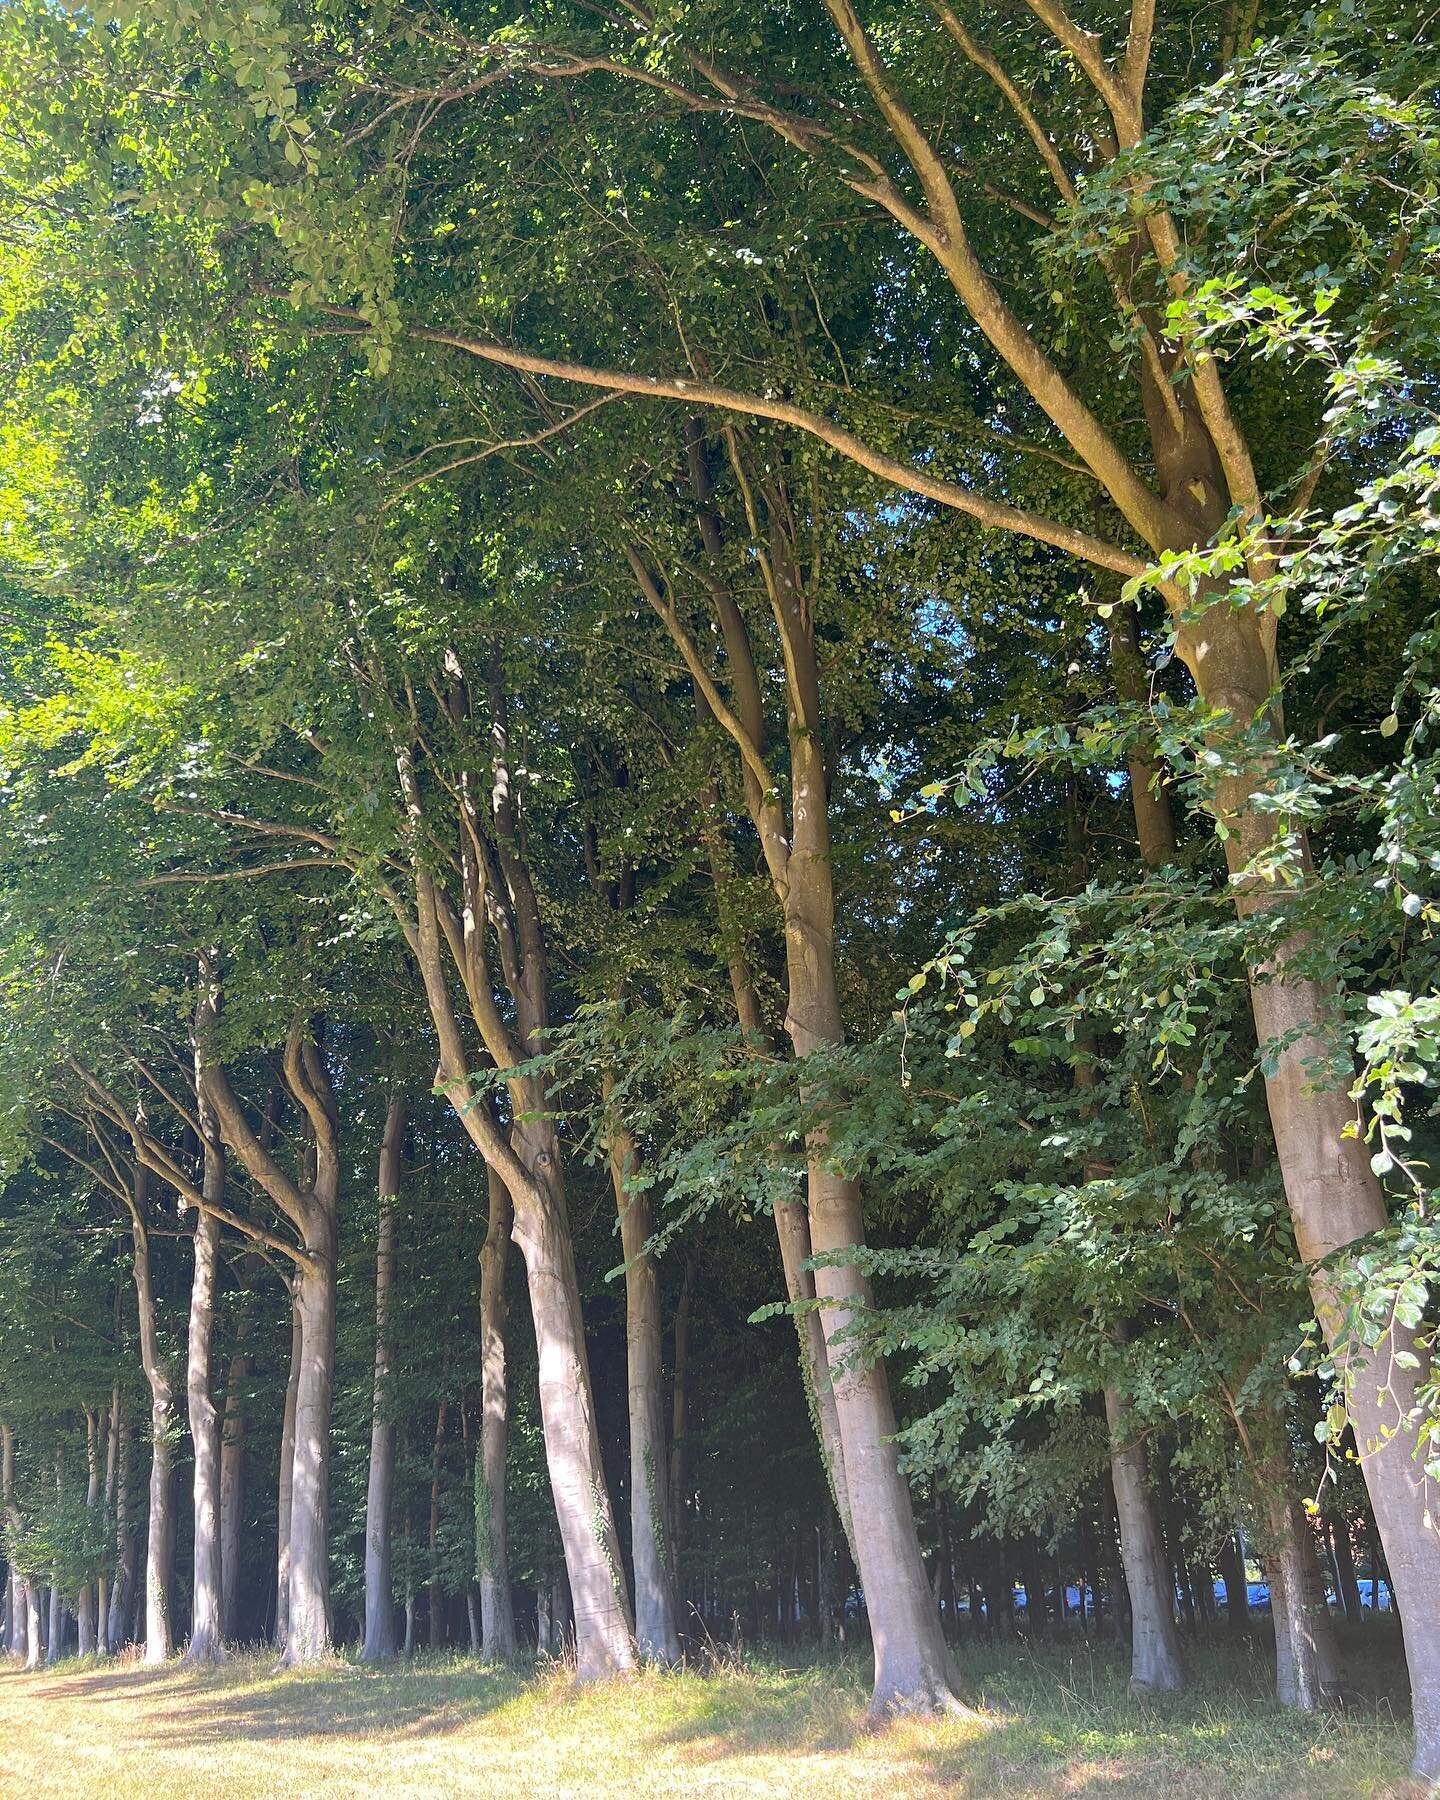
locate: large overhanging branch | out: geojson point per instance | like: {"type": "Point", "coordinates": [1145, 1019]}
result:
{"type": "Point", "coordinates": [997, 514]}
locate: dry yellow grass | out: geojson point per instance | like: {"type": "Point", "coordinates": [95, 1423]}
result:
{"type": "Point", "coordinates": [1056, 1726]}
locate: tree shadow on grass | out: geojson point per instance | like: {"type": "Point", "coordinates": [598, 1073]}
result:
{"type": "Point", "coordinates": [195, 1707]}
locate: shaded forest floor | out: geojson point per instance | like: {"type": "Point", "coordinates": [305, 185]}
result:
{"type": "Point", "coordinates": [1059, 1722]}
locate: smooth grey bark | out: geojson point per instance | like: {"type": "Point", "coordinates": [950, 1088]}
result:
{"type": "Point", "coordinates": [1306, 1660]}
{"type": "Point", "coordinates": [529, 1163]}
{"type": "Point", "coordinates": [17, 1635]}
{"type": "Point", "coordinates": [287, 1474]}
{"type": "Point", "coordinates": [160, 1531]}
{"type": "Point", "coordinates": [379, 1643]}
{"type": "Point", "coordinates": [234, 1441]}
{"type": "Point", "coordinates": [656, 1629]}
{"type": "Point", "coordinates": [312, 1209]}
{"type": "Point", "coordinates": [207, 1642]}
{"type": "Point", "coordinates": [497, 1605]}
{"type": "Point", "coordinates": [913, 1671]}
{"type": "Point", "coordinates": [87, 1635]}
{"type": "Point", "coordinates": [34, 1641]}
{"type": "Point", "coordinates": [1334, 1197]}
{"type": "Point", "coordinates": [126, 1542]}
{"type": "Point", "coordinates": [1156, 1661]}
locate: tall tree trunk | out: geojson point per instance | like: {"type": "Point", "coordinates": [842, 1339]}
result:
{"type": "Point", "coordinates": [126, 1543]}
{"type": "Point", "coordinates": [379, 1642]}
{"type": "Point", "coordinates": [603, 1633]}
{"type": "Point", "coordinates": [283, 1505]}
{"type": "Point", "coordinates": [435, 1595]}
{"type": "Point", "coordinates": [497, 1606]}
{"type": "Point", "coordinates": [1156, 1662]}
{"type": "Point", "coordinates": [234, 1444]}
{"type": "Point", "coordinates": [1334, 1197]}
{"type": "Point", "coordinates": [17, 1641]}
{"type": "Point", "coordinates": [307, 1635]}
{"type": "Point", "coordinates": [656, 1629]}
{"type": "Point", "coordinates": [160, 1535]}
{"type": "Point", "coordinates": [207, 1644]}
{"type": "Point", "coordinates": [530, 1165]}
{"type": "Point", "coordinates": [34, 1652]}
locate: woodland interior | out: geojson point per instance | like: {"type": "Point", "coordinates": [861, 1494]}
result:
{"type": "Point", "coordinates": [719, 880]}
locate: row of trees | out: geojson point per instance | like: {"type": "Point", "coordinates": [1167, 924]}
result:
{"type": "Point", "coordinates": [695, 603]}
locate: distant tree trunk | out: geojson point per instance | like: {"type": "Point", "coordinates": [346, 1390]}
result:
{"type": "Point", "coordinates": [160, 1537]}
{"type": "Point", "coordinates": [207, 1644]}
{"type": "Point", "coordinates": [379, 1642]}
{"type": "Point", "coordinates": [437, 1617]}
{"type": "Point", "coordinates": [35, 1648]}
{"type": "Point", "coordinates": [287, 1474]}
{"type": "Point", "coordinates": [543, 1642]}
{"type": "Point", "coordinates": [1156, 1662]}
{"type": "Point", "coordinates": [1346, 1583]}
{"type": "Point", "coordinates": [655, 1612]}
{"type": "Point", "coordinates": [680, 1406]}
{"type": "Point", "coordinates": [1237, 1589]}
{"type": "Point", "coordinates": [85, 1613]}
{"type": "Point", "coordinates": [234, 1442]}
{"type": "Point", "coordinates": [497, 1607]}
{"type": "Point", "coordinates": [125, 1539]}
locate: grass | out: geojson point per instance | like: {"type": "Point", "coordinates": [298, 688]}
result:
{"type": "Point", "coordinates": [1058, 1723]}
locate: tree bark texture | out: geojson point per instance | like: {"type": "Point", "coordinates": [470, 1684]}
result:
{"type": "Point", "coordinates": [379, 1643]}
{"type": "Point", "coordinates": [656, 1626]}
{"type": "Point", "coordinates": [207, 1642]}
{"type": "Point", "coordinates": [497, 1606]}
{"type": "Point", "coordinates": [1156, 1661]}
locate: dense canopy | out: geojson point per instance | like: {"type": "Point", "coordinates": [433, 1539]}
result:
{"type": "Point", "coordinates": [784, 657]}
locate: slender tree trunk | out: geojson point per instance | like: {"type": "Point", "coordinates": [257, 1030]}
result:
{"type": "Point", "coordinates": [656, 1628]}
{"type": "Point", "coordinates": [17, 1636]}
{"type": "Point", "coordinates": [1334, 1197]}
{"type": "Point", "coordinates": [234, 1442]}
{"type": "Point", "coordinates": [207, 1643]}
{"type": "Point", "coordinates": [434, 1595]}
{"type": "Point", "coordinates": [1237, 1591]}
{"type": "Point", "coordinates": [1345, 1581]}
{"type": "Point", "coordinates": [125, 1539]}
{"type": "Point", "coordinates": [1156, 1662]}
{"type": "Point", "coordinates": [160, 1536]}
{"type": "Point", "coordinates": [34, 1652]}
{"type": "Point", "coordinates": [284, 1501]}
{"type": "Point", "coordinates": [379, 1642]}
{"type": "Point", "coordinates": [497, 1607]}
{"type": "Point", "coordinates": [86, 1636]}
{"type": "Point", "coordinates": [680, 1406]}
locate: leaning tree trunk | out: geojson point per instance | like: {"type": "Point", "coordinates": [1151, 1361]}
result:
{"type": "Point", "coordinates": [284, 1497]}
{"type": "Point", "coordinates": [1156, 1662]}
{"type": "Point", "coordinates": [1334, 1197]}
{"type": "Point", "coordinates": [207, 1644]}
{"type": "Point", "coordinates": [497, 1606]}
{"type": "Point", "coordinates": [604, 1643]}
{"type": "Point", "coordinates": [379, 1644]}
{"type": "Point", "coordinates": [656, 1630]}
{"type": "Point", "coordinates": [160, 1536]}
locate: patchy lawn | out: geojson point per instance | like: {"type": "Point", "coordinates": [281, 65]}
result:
{"type": "Point", "coordinates": [1058, 1723]}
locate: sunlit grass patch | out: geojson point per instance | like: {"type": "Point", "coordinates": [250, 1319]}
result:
{"type": "Point", "coordinates": [1057, 1722]}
